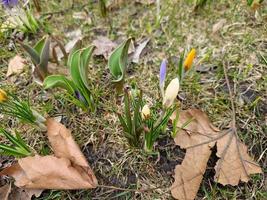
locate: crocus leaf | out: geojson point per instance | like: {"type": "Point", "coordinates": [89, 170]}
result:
{"type": "Point", "coordinates": [32, 52]}
{"type": "Point", "coordinates": [77, 46]}
{"type": "Point", "coordinates": [40, 45]}
{"type": "Point", "coordinates": [75, 63]}
{"type": "Point", "coordinates": [83, 67]}
{"type": "Point", "coordinates": [117, 62]}
{"type": "Point", "coordinates": [59, 81]}
{"type": "Point", "coordinates": [44, 56]}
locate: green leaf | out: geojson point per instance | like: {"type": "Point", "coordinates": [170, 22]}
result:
{"type": "Point", "coordinates": [77, 46]}
{"type": "Point", "coordinates": [40, 45]}
{"type": "Point", "coordinates": [117, 62]}
{"type": "Point", "coordinates": [44, 57]}
{"type": "Point", "coordinates": [32, 52]}
{"type": "Point", "coordinates": [59, 81]}
{"type": "Point", "coordinates": [127, 110]}
{"type": "Point", "coordinates": [76, 76]}
{"type": "Point", "coordinates": [83, 67]}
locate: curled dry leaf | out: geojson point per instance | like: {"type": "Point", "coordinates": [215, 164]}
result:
{"type": "Point", "coordinates": [198, 137]}
{"type": "Point", "coordinates": [104, 46]}
{"type": "Point", "coordinates": [139, 50]}
{"type": "Point", "coordinates": [15, 65]}
{"type": "Point", "coordinates": [68, 168]}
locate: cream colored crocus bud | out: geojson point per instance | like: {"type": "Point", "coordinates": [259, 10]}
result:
{"type": "Point", "coordinates": [171, 92]}
{"type": "Point", "coordinates": [145, 112]}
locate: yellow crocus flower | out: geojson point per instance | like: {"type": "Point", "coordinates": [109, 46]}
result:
{"type": "Point", "coordinates": [189, 59]}
{"type": "Point", "coordinates": [3, 96]}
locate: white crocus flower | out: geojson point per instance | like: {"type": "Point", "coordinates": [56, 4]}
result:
{"type": "Point", "coordinates": [171, 92]}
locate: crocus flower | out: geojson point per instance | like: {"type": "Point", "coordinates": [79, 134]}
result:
{"type": "Point", "coordinates": [10, 3]}
{"type": "Point", "coordinates": [80, 97]}
{"type": "Point", "coordinates": [3, 96]}
{"type": "Point", "coordinates": [145, 112]}
{"type": "Point", "coordinates": [171, 93]}
{"type": "Point", "coordinates": [189, 59]}
{"type": "Point", "coordinates": [162, 75]}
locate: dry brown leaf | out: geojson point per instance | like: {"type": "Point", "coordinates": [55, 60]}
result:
{"type": "Point", "coordinates": [4, 191]}
{"type": "Point", "coordinates": [234, 164]}
{"type": "Point", "coordinates": [23, 194]}
{"type": "Point", "coordinates": [188, 175]}
{"type": "Point", "coordinates": [67, 169]}
{"type": "Point", "coordinates": [15, 65]}
{"type": "Point", "coordinates": [104, 46]}
{"type": "Point", "coordinates": [198, 137]}
{"type": "Point", "coordinates": [139, 50]}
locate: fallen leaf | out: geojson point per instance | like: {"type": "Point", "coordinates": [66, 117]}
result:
{"type": "Point", "coordinates": [234, 164]}
{"type": "Point", "coordinates": [23, 194]}
{"type": "Point", "coordinates": [139, 50]}
{"type": "Point", "coordinates": [198, 137]}
{"type": "Point", "coordinates": [188, 175]}
{"type": "Point", "coordinates": [68, 168]}
{"type": "Point", "coordinates": [15, 65]}
{"type": "Point", "coordinates": [74, 37]}
{"type": "Point", "coordinates": [216, 27]}
{"type": "Point", "coordinates": [104, 46]}
{"type": "Point", "coordinates": [4, 191]}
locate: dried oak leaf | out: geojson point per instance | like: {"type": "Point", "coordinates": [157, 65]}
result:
{"type": "Point", "coordinates": [234, 164]}
{"type": "Point", "coordinates": [104, 46]}
{"type": "Point", "coordinates": [188, 175]}
{"type": "Point", "coordinates": [67, 169]}
{"type": "Point", "coordinates": [4, 191]}
{"type": "Point", "coordinates": [198, 137]}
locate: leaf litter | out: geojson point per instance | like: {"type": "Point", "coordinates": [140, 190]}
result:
{"type": "Point", "coordinates": [68, 168]}
{"type": "Point", "coordinates": [15, 65]}
{"type": "Point", "coordinates": [198, 138]}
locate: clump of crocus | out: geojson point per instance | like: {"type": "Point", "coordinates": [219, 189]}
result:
{"type": "Point", "coordinates": [11, 105]}
{"type": "Point", "coordinates": [78, 86]}
{"type": "Point", "coordinates": [20, 18]}
{"type": "Point", "coordinates": [117, 64]}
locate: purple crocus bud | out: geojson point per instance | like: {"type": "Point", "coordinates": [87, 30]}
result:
{"type": "Point", "coordinates": [80, 97]}
{"type": "Point", "coordinates": [10, 3]}
{"type": "Point", "coordinates": [162, 73]}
